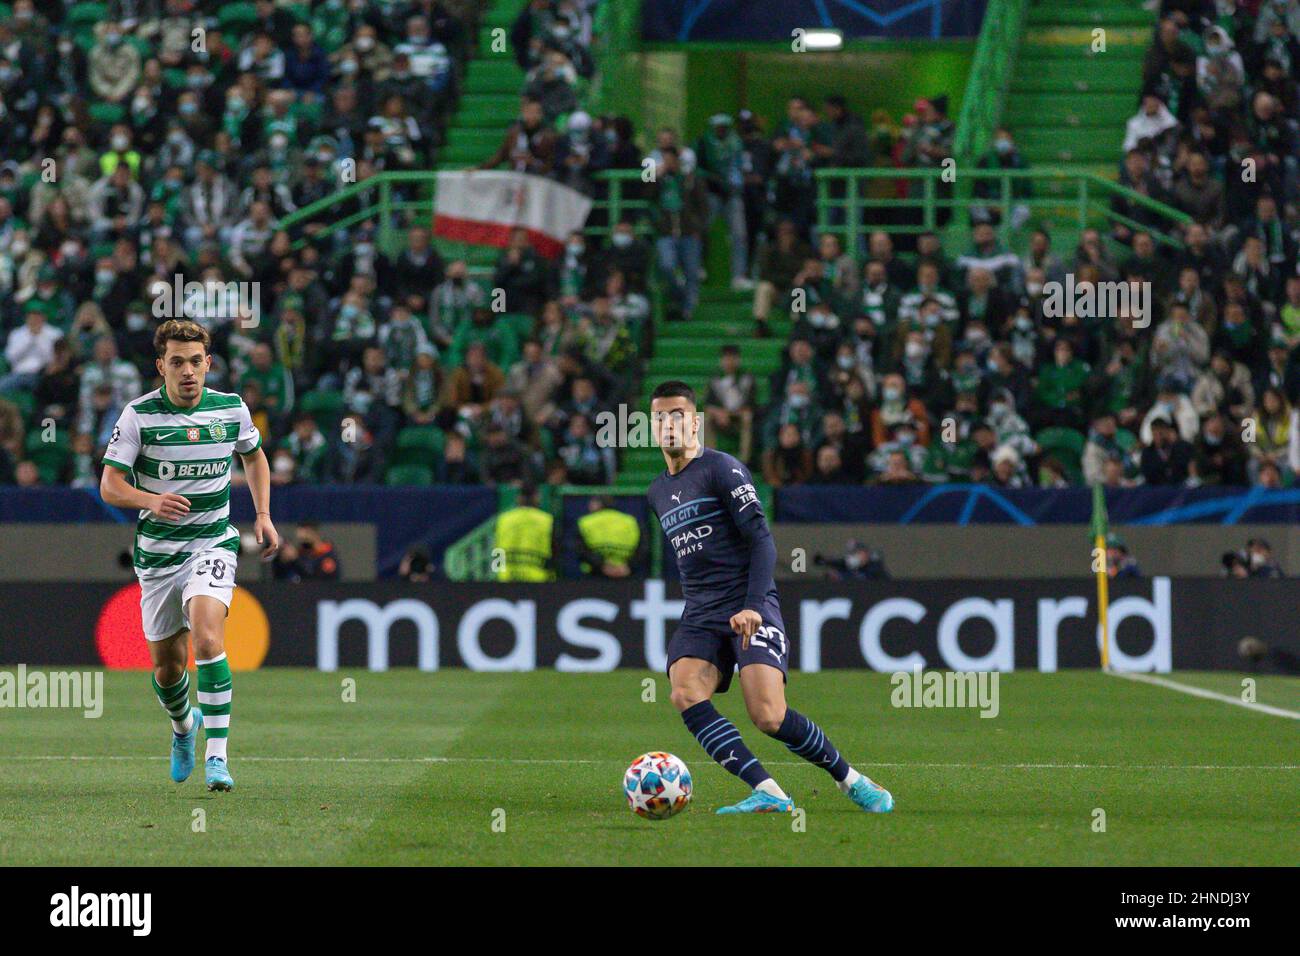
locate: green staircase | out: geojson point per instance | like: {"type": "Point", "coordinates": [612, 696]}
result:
{"type": "Point", "coordinates": [1068, 105]}
{"type": "Point", "coordinates": [489, 103]}
{"type": "Point", "coordinates": [690, 351]}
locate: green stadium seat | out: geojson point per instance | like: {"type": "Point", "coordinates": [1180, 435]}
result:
{"type": "Point", "coordinates": [1061, 440]}
{"type": "Point", "coordinates": [107, 113]}
{"type": "Point", "coordinates": [1066, 446]}
{"type": "Point", "coordinates": [1126, 440]}
{"type": "Point", "coordinates": [325, 405]}
{"type": "Point", "coordinates": [521, 323]}
{"type": "Point", "coordinates": [408, 475]}
{"type": "Point", "coordinates": [50, 458]}
{"type": "Point", "coordinates": [25, 401]}
{"type": "Point", "coordinates": [308, 114]}
{"type": "Point", "coordinates": [237, 18]}
{"type": "Point", "coordinates": [87, 14]}
{"type": "Point", "coordinates": [419, 445]}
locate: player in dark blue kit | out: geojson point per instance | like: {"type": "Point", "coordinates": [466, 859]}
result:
{"type": "Point", "coordinates": [715, 526]}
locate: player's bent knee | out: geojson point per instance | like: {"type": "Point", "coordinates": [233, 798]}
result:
{"type": "Point", "coordinates": [767, 717]}
{"type": "Point", "coordinates": [168, 674]}
{"type": "Point", "coordinates": [684, 698]}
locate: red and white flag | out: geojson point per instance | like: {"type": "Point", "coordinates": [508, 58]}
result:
{"type": "Point", "coordinates": [483, 207]}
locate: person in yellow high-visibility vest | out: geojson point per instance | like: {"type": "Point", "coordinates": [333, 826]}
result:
{"type": "Point", "coordinates": [524, 538]}
{"type": "Point", "coordinates": [610, 541]}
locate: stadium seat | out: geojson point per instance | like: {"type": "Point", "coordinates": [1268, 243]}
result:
{"type": "Point", "coordinates": [1066, 446]}
{"type": "Point", "coordinates": [87, 14]}
{"type": "Point", "coordinates": [107, 113]}
{"type": "Point", "coordinates": [1062, 439]}
{"type": "Point", "coordinates": [419, 445]}
{"type": "Point", "coordinates": [521, 323]}
{"type": "Point", "coordinates": [1126, 440]}
{"type": "Point", "coordinates": [49, 457]}
{"type": "Point", "coordinates": [325, 405]}
{"type": "Point", "coordinates": [25, 401]}
{"type": "Point", "coordinates": [237, 18]}
{"type": "Point", "coordinates": [408, 475]}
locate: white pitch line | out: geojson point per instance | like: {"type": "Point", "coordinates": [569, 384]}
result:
{"type": "Point", "coordinates": [776, 763]}
{"type": "Point", "coordinates": [1207, 694]}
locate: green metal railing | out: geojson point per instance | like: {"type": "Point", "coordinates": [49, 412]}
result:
{"type": "Point", "coordinates": [379, 202]}
{"type": "Point", "coordinates": [990, 77]}
{"type": "Point", "coordinates": [847, 202]}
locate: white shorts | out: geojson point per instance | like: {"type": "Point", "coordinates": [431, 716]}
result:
{"type": "Point", "coordinates": [165, 598]}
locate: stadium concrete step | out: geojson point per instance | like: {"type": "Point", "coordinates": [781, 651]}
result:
{"type": "Point", "coordinates": [1068, 104]}
{"type": "Point", "coordinates": [490, 96]}
{"type": "Point", "coordinates": [1092, 14]}
{"type": "Point", "coordinates": [1066, 145]}
{"type": "Point", "coordinates": [497, 73]}
{"type": "Point", "coordinates": [481, 141]}
{"type": "Point", "coordinates": [1027, 81]}
{"type": "Point", "coordinates": [503, 14]}
{"type": "Point", "coordinates": [1057, 53]}
{"type": "Point", "coordinates": [487, 109]}
{"type": "Point", "coordinates": [1030, 108]}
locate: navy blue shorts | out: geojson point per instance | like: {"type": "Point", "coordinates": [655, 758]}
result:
{"type": "Point", "coordinates": [720, 646]}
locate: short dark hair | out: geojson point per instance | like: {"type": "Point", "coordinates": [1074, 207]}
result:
{"type": "Point", "coordinates": [180, 330]}
{"type": "Point", "coordinates": [673, 389]}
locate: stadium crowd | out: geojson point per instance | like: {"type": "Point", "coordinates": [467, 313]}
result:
{"type": "Point", "coordinates": [135, 153]}
{"type": "Point", "coordinates": [953, 369]}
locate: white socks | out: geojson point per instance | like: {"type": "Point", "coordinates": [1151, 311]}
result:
{"type": "Point", "coordinates": [847, 783]}
{"type": "Point", "coordinates": [769, 786]}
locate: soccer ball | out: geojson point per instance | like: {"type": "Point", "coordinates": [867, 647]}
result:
{"type": "Point", "coordinates": [657, 785]}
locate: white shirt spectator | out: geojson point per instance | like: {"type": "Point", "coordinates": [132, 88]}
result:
{"type": "Point", "coordinates": [31, 347]}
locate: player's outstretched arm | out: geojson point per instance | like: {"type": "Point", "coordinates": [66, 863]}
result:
{"type": "Point", "coordinates": [258, 472]}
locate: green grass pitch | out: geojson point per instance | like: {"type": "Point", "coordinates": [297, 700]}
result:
{"type": "Point", "coordinates": [421, 766]}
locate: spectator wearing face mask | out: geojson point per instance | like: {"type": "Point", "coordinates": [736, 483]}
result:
{"type": "Point", "coordinates": [1101, 447]}
{"type": "Point", "coordinates": [114, 65]}
{"type": "Point", "coordinates": [1003, 156]}
{"type": "Point", "coordinates": [679, 208]}
{"type": "Point", "coordinates": [1220, 457]}
{"type": "Point", "coordinates": [898, 408]}
{"type": "Point", "coordinates": [1260, 560]}
{"type": "Point", "coordinates": [625, 253]}
{"type": "Point", "coordinates": [1168, 459]}
{"type": "Point", "coordinates": [860, 563]}
{"type": "Point", "coordinates": [453, 303]}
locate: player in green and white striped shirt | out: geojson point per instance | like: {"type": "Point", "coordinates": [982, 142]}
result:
{"type": "Point", "coordinates": [177, 444]}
